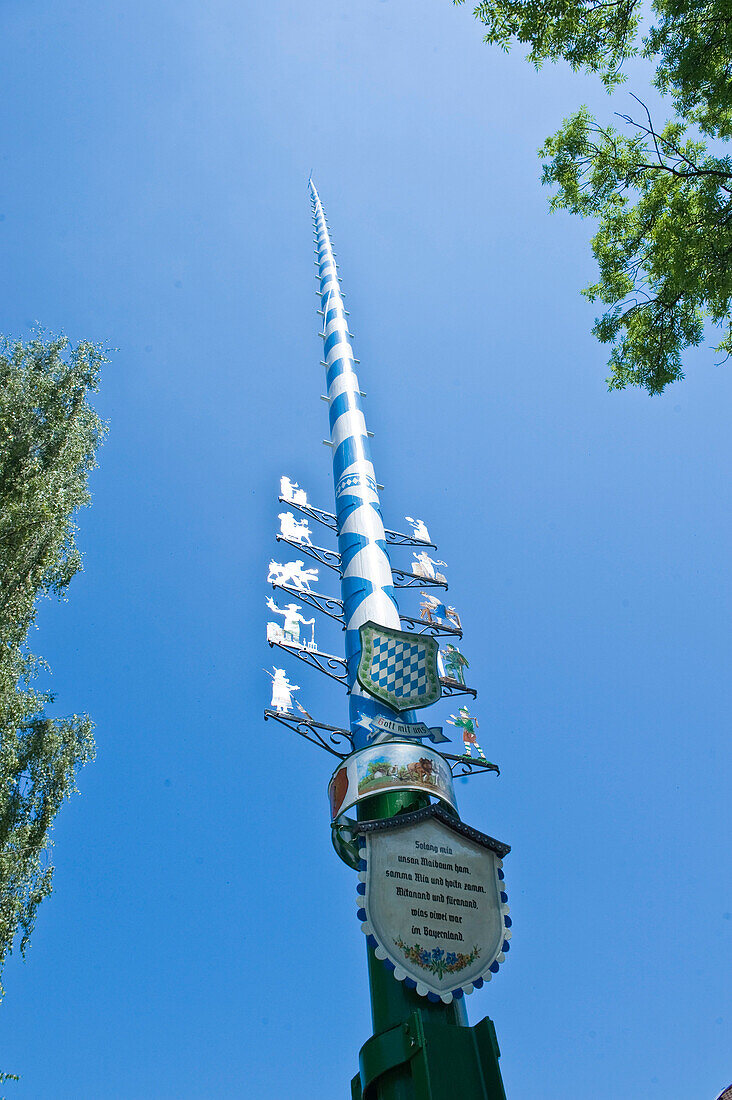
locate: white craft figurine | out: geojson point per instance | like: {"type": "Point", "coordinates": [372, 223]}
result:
{"type": "Point", "coordinates": [419, 529]}
{"type": "Point", "coordinates": [295, 529]}
{"type": "Point", "coordinates": [282, 691]}
{"type": "Point", "coordinates": [277, 573]}
{"type": "Point", "coordinates": [424, 566]}
{"type": "Point", "coordinates": [291, 491]}
{"type": "Point", "coordinates": [432, 609]}
{"type": "Point", "coordinates": [294, 573]}
{"type": "Point", "coordinates": [292, 621]}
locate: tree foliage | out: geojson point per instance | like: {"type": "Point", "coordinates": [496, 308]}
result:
{"type": "Point", "coordinates": [49, 435]}
{"type": "Point", "coordinates": [590, 34]}
{"type": "Point", "coordinates": [665, 257]}
{"type": "Point", "coordinates": [662, 198]}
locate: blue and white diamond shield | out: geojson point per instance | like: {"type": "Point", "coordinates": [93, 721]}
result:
{"type": "Point", "coordinates": [398, 668]}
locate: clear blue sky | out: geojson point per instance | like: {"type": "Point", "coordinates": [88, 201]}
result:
{"type": "Point", "coordinates": [202, 940]}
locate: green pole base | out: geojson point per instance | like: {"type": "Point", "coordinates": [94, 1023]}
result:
{"type": "Point", "coordinates": [429, 1059]}
{"type": "Point", "coordinates": [421, 1050]}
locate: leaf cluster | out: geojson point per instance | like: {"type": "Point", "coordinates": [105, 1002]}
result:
{"type": "Point", "coordinates": [49, 435]}
{"type": "Point", "coordinates": [693, 43]}
{"type": "Point", "coordinates": [596, 35]}
{"type": "Point", "coordinates": [664, 242]}
{"type": "Point", "coordinates": [662, 197]}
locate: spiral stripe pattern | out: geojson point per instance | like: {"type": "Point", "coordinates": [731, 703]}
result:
{"type": "Point", "coordinates": [366, 582]}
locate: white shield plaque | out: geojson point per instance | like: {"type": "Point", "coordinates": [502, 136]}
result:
{"type": "Point", "coordinates": [432, 901]}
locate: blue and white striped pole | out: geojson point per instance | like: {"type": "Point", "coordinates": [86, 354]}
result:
{"type": "Point", "coordinates": [367, 585]}
{"type": "Point", "coordinates": [367, 589]}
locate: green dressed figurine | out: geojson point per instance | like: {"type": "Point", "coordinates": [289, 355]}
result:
{"type": "Point", "coordinates": [453, 663]}
{"type": "Point", "coordinates": [469, 725]}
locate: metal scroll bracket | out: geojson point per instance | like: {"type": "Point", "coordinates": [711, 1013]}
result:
{"type": "Point", "coordinates": [329, 605]}
{"type": "Point", "coordinates": [454, 687]}
{"type": "Point", "coordinates": [469, 765]}
{"type": "Point", "coordinates": [393, 538]}
{"type": "Point", "coordinates": [422, 626]}
{"type": "Point", "coordinates": [319, 553]}
{"type": "Point", "coordinates": [324, 662]}
{"type": "Point", "coordinates": [404, 579]}
{"type": "Point", "coordinates": [332, 738]}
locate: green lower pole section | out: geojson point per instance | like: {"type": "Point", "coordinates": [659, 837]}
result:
{"type": "Point", "coordinates": [421, 1050]}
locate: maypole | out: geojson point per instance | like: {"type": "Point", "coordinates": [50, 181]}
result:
{"type": "Point", "coordinates": [431, 894]}
{"type": "Point", "coordinates": [367, 586]}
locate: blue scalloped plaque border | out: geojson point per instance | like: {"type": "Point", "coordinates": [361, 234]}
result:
{"type": "Point", "coordinates": [459, 991]}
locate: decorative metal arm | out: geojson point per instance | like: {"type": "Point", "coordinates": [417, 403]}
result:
{"type": "Point", "coordinates": [324, 662]}
{"type": "Point", "coordinates": [469, 765]}
{"type": "Point", "coordinates": [454, 687]}
{"type": "Point", "coordinates": [394, 538]}
{"type": "Point", "coordinates": [403, 579]}
{"type": "Point", "coordinates": [326, 518]}
{"type": "Point", "coordinates": [321, 555]}
{"type": "Point", "coordinates": [421, 626]}
{"type": "Point", "coordinates": [309, 729]}
{"type": "Point", "coordinates": [329, 605]}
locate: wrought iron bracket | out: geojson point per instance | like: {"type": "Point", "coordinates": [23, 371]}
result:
{"type": "Point", "coordinates": [330, 558]}
{"type": "Point", "coordinates": [329, 605]}
{"type": "Point", "coordinates": [421, 626]}
{"type": "Point", "coordinates": [332, 739]}
{"type": "Point", "coordinates": [454, 687]}
{"type": "Point", "coordinates": [325, 557]}
{"type": "Point", "coordinates": [309, 510]}
{"type": "Point", "coordinates": [324, 662]}
{"type": "Point", "coordinates": [469, 765]}
{"type": "Point", "coordinates": [404, 579]}
{"type": "Point", "coordinates": [396, 538]}
{"type": "Point", "coordinates": [328, 519]}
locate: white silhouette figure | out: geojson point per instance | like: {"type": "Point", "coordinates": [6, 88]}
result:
{"type": "Point", "coordinates": [297, 530]}
{"type": "Point", "coordinates": [419, 529]}
{"type": "Point", "coordinates": [424, 566]}
{"type": "Point", "coordinates": [277, 572]}
{"type": "Point", "coordinates": [282, 691]}
{"type": "Point", "coordinates": [434, 610]}
{"type": "Point", "coordinates": [291, 626]}
{"type": "Point", "coordinates": [294, 573]}
{"type": "Point", "coordinates": [290, 490]}
{"type": "Point", "coordinates": [302, 578]}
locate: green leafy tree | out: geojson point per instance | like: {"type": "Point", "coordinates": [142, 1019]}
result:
{"type": "Point", "coordinates": [662, 197]}
{"type": "Point", "coordinates": [49, 435]}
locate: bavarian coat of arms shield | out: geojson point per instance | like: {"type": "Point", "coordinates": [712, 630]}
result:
{"type": "Point", "coordinates": [398, 668]}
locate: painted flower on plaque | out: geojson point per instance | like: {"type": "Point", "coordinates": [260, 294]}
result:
{"type": "Point", "coordinates": [437, 961]}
